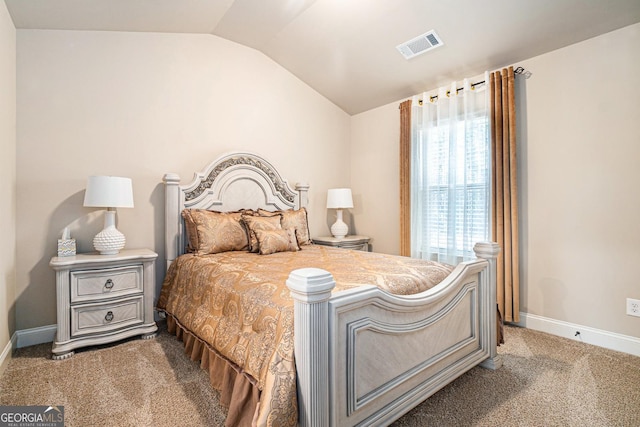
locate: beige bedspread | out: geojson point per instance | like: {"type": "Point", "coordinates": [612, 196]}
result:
{"type": "Point", "coordinates": [238, 304]}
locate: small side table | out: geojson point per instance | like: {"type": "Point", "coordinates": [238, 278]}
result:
{"type": "Point", "coordinates": [103, 298]}
{"type": "Point", "coordinates": [359, 243]}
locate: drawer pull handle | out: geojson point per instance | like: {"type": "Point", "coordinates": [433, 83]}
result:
{"type": "Point", "coordinates": [109, 316]}
{"type": "Point", "coordinates": [108, 284]}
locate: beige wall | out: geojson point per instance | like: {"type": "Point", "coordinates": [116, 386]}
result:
{"type": "Point", "coordinates": [375, 174]}
{"type": "Point", "coordinates": [141, 105]}
{"type": "Point", "coordinates": [580, 147]}
{"type": "Point", "coordinates": [7, 176]}
{"type": "Point", "coordinates": [581, 204]}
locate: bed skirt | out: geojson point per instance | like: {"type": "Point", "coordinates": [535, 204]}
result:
{"type": "Point", "coordinates": [238, 391]}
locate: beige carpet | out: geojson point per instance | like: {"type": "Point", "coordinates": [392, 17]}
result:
{"type": "Point", "coordinates": [545, 381]}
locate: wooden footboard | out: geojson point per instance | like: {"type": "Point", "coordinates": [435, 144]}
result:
{"type": "Point", "coordinates": [365, 357]}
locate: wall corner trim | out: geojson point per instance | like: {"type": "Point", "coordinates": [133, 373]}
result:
{"type": "Point", "coordinates": [7, 351]}
{"type": "Point", "coordinates": [26, 338]}
{"type": "Point", "coordinates": [598, 337]}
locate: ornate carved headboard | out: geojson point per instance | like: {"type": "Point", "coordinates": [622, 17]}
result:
{"type": "Point", "coordinates": [232, 182]}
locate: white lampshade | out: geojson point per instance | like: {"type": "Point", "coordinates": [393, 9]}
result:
{"type": "Point", "coordinates": [339, 198]}
{"type": "Point", "coordinates": [109, 192]}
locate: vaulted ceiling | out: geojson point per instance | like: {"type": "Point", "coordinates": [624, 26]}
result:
{"type": "Point", "coordinates": [346, 49]}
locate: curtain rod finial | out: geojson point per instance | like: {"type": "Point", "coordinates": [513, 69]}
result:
{"type": "Point", "coordinates": [520, 70]}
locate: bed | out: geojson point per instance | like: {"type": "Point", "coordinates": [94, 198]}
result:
{"type": "Point", "coordinates": [338, 344]}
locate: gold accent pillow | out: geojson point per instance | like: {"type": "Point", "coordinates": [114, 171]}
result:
{"type": "Point", "coordinates": [296, 219]}
{"type": "Point", "coordinates": [255, 223]}
{"type": "Point", "coordinates": [212, 232]}
{"type": "Point", "coordinates": [272, 241]}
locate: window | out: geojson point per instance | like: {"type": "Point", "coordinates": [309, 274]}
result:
{"type": "Point", "coordinates": [450, 177]}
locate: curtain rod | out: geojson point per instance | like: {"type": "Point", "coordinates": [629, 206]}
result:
{"type": "Point", "coordinates": [518, 70]}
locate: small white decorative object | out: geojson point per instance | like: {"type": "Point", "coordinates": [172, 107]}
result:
{"type": "Point", "coordinates": [109, 192]}
{"type": "Point", "coordinates": [66, 245]}
{"type": "Point", "coordinates": [339, 198]}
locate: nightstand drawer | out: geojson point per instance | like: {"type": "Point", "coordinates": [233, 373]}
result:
{"type": "Point", "coordinates": [91, 285]}
{"type": "Point", "coordinates": [355, 246]}
{"type": "Point", "coordinates": [100, 318]}
{"type": "Point", "coordinates": [354, 242]}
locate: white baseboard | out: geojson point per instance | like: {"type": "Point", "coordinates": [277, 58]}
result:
{"type": "Point", "coordinates": [5, 356]}
{"type": "Point", "coordinates": [25, 338]}
{"type": "Point", "coordinates": [33, 336]}
{"type": "Point", "coordinates": [606, 339]}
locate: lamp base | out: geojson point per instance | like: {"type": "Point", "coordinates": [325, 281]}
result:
{"type": "Point", "coordinates": [339, 229]}
{"type": "Point", "coordinates": [109, 241]}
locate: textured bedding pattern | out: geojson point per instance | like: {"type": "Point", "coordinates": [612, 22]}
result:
{"type": "Point", "coordinates": [238, 304]}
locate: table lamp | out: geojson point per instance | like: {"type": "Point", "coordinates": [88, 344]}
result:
{"type": "Point", "coordinates": [109, 192]}
{"type": "Point", "coordinates": [339, 198]}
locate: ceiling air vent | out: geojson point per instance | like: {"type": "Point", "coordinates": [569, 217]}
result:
{"type": "Point", "coordinates": [420, 44]}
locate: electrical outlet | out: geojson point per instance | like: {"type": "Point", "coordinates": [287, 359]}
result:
{"type": "Point", "coordinates": [633, 307]}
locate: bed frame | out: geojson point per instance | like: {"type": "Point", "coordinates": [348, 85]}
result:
{"type": "Point", "coordinates": [363, 356]}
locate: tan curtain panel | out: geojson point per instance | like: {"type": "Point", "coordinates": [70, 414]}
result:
{"type": "Point", "coordinates": [405, 178]}
{"type": "Point", "coordinates": [504, 222]}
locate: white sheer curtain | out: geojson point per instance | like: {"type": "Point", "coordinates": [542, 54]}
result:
{"type": "Point", "coordinates": [450, 171]}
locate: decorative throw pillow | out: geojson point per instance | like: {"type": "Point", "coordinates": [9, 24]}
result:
{"type": "Point", "coordinates": [255, 223]}
{"type": "Point", "coordinates": [272, 241]}
{"type": "Point", "coordinates": [212, 232]}
{"type": "Point", "coordinates": [192, 231]}
{"type": "Point", "coordinates": [296, 219]}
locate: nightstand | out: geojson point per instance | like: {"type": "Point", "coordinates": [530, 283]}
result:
{"type": "Point", "coordinates": [103, 298]}
{"type": "Point", "coordinates": [359, 243]}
